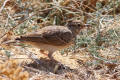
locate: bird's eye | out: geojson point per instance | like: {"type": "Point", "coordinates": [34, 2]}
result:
{"type": "Point", "coordinates": [78, 24]}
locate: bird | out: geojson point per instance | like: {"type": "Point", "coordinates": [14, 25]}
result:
{"type": "Point", "coordinates": [53, 38]}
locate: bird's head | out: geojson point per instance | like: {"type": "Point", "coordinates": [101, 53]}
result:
{"type": "Point", "coordinates": [75, 26]}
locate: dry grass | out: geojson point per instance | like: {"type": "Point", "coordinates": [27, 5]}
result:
{"type": "Point", "coordinates": [95, 55]}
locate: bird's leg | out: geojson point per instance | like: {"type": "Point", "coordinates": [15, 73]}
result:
{"type": "Point", "coordinates": [50, 56]}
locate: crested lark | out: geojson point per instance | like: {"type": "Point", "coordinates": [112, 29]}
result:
{"type": "Point", "coordinates": [52, 38]}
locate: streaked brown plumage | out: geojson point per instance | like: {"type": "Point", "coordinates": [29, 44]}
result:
{"type": "Point", "coordinates": [53, 38]}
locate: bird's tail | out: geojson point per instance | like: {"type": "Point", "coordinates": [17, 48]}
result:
{"type": "Point", "coordinates": [9, 42]}
{"type": "Point", "coordinates": [12, 41]}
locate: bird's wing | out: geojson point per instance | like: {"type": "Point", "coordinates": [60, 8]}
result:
{"type": "Point", "coordinates": [55, 36]}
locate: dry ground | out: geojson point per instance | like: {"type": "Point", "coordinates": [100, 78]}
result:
{"type": "Point", "coordinates": [95, 56]}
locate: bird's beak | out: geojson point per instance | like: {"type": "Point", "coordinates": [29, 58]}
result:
{"type": "Point", "coordinates": [87, 25]}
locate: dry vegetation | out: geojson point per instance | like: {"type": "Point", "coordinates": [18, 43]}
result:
{"type": "Point", "coordinates": [95, 55]}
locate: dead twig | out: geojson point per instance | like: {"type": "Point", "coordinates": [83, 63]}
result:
{"type": "Point", "coordinates": [3, 5]}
